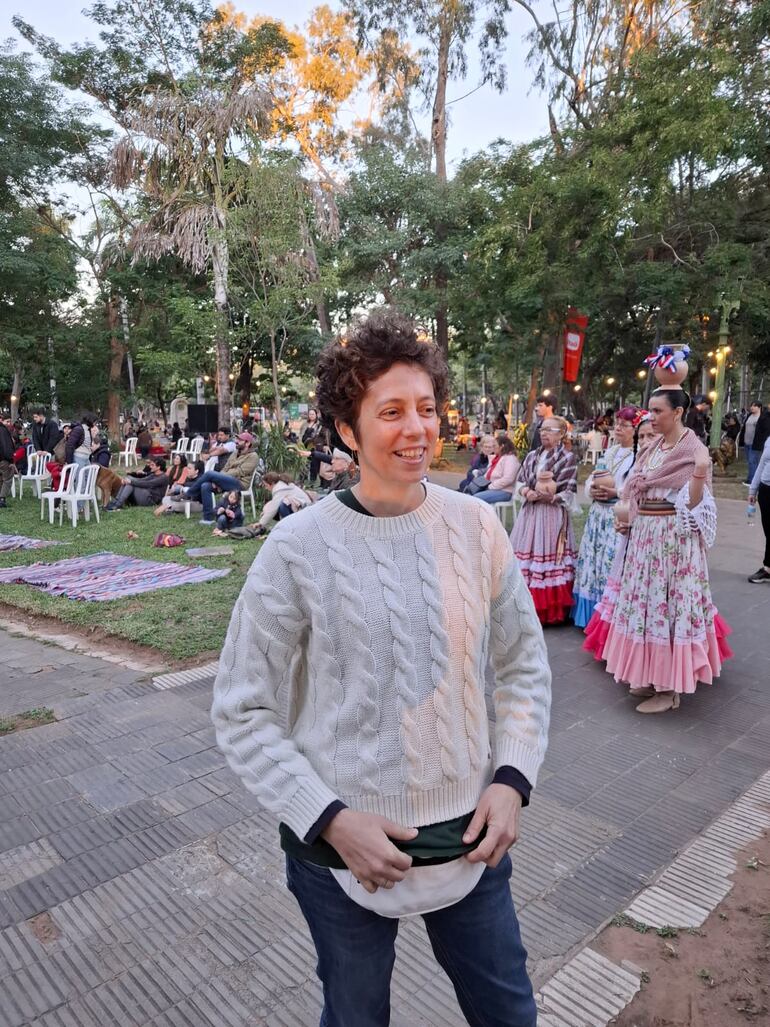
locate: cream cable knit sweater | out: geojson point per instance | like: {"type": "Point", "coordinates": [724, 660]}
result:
{"type": "Point", "coordinates": [354, 665]}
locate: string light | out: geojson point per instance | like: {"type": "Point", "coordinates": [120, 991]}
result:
{"type": "Point", "coordinates": [578, 388]}
{"type": "Point", "coordinates": [641, 374]}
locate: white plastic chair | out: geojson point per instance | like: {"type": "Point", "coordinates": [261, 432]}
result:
{"type": "Point", "coordinates": [511, 504]}
{"type": "Point", "coordinates": [594, 448]}
{"type": "Point", "coordinates": [128, 455]}
{"type": "Point", "coordinates": [181, 446]}
{"type": "Point", "coordinates": [84, 492]}
{"type": "Point", "coordinates": [249, 493]}
{"type": "Point", "coordinates": [36, 472]}
{"type": "Point", "coordinates": [195, 448]}
{"type": "Point", "coordinates": [67, 483]}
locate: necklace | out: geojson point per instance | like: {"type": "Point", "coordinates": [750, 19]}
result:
{"type": "Point", "coordinates": [659, 454]}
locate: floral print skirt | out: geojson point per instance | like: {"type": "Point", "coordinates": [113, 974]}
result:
{"type": "Point", "coordinates": [597, 551]}
{"type": "Point", "coordinates": [656, 623]}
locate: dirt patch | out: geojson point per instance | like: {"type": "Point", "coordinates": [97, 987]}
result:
{"type": "Point", "coordinates": [716, 976]}
{"type": "Point", "coordinates": [44, 928]}
{"type": "Point", "coordinates": [96, 641]}
{"type": "Point", "coordinates": [24, 721]}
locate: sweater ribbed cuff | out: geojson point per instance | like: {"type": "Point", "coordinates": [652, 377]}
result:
{"type": "Point", "coordinates": [513, 753]}
{"type": "Point", "coordinates": [307, 805]}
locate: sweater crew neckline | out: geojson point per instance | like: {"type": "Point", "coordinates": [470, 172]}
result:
{"type": "Point", "coordinates": [369, 526]}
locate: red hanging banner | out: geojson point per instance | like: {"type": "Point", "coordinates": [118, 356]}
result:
{"type": "Point", "coordinates": [574, 337]}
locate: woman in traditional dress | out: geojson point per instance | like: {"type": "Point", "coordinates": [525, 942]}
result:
{"type": "Point", "coordinates": [662, 634]}
{"type": "Point", "coordinates": [600, 539]}
{"type": "Point", "coordinates": [542, 537]}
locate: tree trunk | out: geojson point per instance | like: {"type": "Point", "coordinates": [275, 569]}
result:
{"type": "Point", "coordinates": [242, 386]}
{"type": "Point", "coordinates": [162, 406]}
{"type": "Point", "coordinates": [438, 143]}
{"type": "Point", "coordinates": [220, 262]}
{"type": "Point", "coordinates": [127, 344]}
{"type": "Point", "coordinates": [118, 352]}
{"type": "Point", "coordinates": [18, 375]}
{"type": "Point", "coordinates": [276, 390]}
{"type": "Point", "coordinates": [52, 380]}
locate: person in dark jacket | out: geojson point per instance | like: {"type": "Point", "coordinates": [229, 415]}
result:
{"type": "Point", "coordinates": [696, 417]}
{"type": "Point", "coordinates": [45, 432]}
{"type": "Point", "coordinates": [76, 440]}
{"type": "Point", "coordinates": [146, 489]}
{"type": "Point", "coordinates": [480, 462]}
{"type": "Point", "coordinates": [7, 469]}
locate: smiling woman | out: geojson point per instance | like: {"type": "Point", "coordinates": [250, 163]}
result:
{"type": "Point", "coordinates": [351, 697]}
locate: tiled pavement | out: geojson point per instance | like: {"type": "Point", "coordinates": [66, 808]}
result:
{"type": "Point", "coordinates": [140, 884]}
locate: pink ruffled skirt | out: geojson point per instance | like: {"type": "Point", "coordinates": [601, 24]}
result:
{"type": "Point", "coordinates": [656, 623]}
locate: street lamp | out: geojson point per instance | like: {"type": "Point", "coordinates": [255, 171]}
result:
{"type": "Point", "coordinates": [578, 388]}
{"type": "Point", "coordinates": [610, 381]}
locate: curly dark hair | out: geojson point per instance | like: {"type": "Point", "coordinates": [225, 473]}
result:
{"type": "Point", "coordinates": [348, 365]}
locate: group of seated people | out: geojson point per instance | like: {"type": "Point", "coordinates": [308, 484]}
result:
{"type": "Point", "coordinates": [493, 470]}
{"type": "Point", "coordinates": [176, 485]}
{"type": "Point", "coordinates": [217, 494]}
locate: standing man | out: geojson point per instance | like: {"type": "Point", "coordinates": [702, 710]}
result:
{"type": "Point", "coordinates": [7, 467]}
{"type": "Point", "coordinates": [543, 408]}
{"type": "Point", "coordinates": [45, 432]}
{"type": "Point", "coordinates": [234, 476]}
{"type": "Point", "coordinates": [696, 417]}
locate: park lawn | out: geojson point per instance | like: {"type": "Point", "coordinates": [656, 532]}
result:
{"type": "Point", "coordinates": [183, 622]}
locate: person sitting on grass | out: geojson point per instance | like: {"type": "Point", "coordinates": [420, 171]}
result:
{"type": "Point", "coordinates": [174, 502]}
{"type": "Point", "coordinates": [177, 477]}
{"type": "Point", "coordinates": [143, 489]}
{"type": "Point", "coordinates": [229, 513]}
{"type": "Point", "coordinates": [237, 474]}
{"type": "Point", "coordinates": [344, 471]}
{"type": "Point", "coordinates": [286, 498]}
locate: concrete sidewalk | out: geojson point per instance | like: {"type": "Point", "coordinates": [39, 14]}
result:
{"type": "Point", "coordinates": [140, 884]}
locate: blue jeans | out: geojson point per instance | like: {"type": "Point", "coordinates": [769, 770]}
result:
{"type": "Point", "coordinates": [476, 941]}
{"type": "Point", "coordinates": [752, 458]}
{"type": "Point", "coordinates": [202, 489]}
{"type": "Point", "coordinates": [494, 496]}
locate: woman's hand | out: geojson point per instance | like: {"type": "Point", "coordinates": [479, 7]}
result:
{"type": "Point", "coordinates": [703, 462]}
{"type": "Point", "coordinates": [498, 808]}
{"type": "Point", "coordinates": [363, 842]}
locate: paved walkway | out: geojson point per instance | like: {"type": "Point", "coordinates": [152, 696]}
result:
{"type": "Point", "coordinates": [140, 884]}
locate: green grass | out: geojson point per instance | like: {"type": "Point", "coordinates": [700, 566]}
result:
{"type": "Point", "coordinates": [182, 623]}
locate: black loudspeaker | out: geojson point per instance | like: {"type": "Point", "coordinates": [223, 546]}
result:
{"type": "Point", "coordinates": [202, 420]}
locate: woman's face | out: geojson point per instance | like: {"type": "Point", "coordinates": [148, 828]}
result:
{"type": "Point", "coordinates": [551, 433]}
{"type": "Point", "coordinates": [664, 419]}
{"type": "Point", "coordinates": [624, 433]}
{"type": "Point", "coordinates": [398, 425]}
{"type": "Point", "coordinates": [646, 434]}
{"type": "Point", "coordinates": [177, 460]}
{"type": "Point", "coordinates": [488, 447]}
{"type": "Point", "coordinates": [311, 416]}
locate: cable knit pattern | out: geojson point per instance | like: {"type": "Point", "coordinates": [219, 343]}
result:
{"type": "Point", "coordinates": [403, 656]}
{"type": "Point", "coordinates": [439, 651]}
{"type": "Point", "coordinates": [325, 668]}
{"type": "Point", "coordinates": [474, 710]}
{"type": "Point", "coordinates": [354, 611]}
{"type": "Point", "coordinates": [353, 667]}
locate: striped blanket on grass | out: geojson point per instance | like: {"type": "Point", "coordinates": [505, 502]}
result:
{"type": "Point", "coordinates": [102, 576]}
{"type": "Point", "coordinates": [10, 542]}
